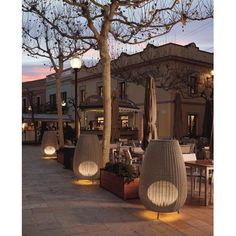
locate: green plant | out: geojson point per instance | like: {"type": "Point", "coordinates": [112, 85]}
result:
{"type": "Point", "coordinates": [122, 170]}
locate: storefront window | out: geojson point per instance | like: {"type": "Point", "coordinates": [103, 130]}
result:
{"type": "Point", "coordinates": [100, 122]}
{"type": "Point", "coordinates": [124, 121]}
{"type": "Point", "coordinates": [192, 125]}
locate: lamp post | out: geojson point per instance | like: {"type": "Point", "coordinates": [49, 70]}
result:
{"type": "Point", "coordinates": [75, 63]}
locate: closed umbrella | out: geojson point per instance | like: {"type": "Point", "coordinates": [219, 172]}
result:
{"type": "Point", "coordinates": [115, 133]}
{"type": "Point", "coordinates": [178, 117]}
{"type": "Point", "coordinates": [208, 118]}
{"type": "Point", "coordinates": [150, 113]}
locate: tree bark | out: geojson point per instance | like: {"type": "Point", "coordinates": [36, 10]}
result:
{"type": "Point", "coordinates": [106, 75]}
{"type": "Point", "coordinates": [59, 108]}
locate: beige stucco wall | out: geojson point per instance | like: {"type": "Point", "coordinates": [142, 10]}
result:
{"type": "Point", "coordinates": [194, 58]}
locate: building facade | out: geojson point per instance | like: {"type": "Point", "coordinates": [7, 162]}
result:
{"type": "Point", "coordinates": [37, 114]}
{"type": "Point", "coordinates": [185, 69]}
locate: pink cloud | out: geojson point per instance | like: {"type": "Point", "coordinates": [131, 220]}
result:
{"type": "Point", "coordinates": [34, 72]}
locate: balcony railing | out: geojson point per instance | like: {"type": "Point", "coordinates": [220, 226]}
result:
{"type": "Point", "coordinates": [44, 108]}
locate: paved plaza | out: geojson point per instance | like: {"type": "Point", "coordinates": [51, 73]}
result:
{"type": "Point", "coordinates": [53, 205]}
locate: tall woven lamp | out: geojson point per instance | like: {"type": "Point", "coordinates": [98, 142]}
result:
{"type": "Point", "coordinates": [49, 145]}
{"type": "Point", "coordinates": [87, 157]}
{"type": "Point", "coordinates": [163, 180]}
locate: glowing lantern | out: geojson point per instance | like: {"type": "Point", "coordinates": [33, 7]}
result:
{"type": "Point", "coordinates": [163, 181]}
{"type": "Point", "coordinates": [87, 157]}
{"type": "Point", "coordinates": [49, 145]}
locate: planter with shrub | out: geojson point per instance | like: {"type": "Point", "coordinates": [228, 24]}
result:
{"type": "Point", "coordinates": [120, 179]}
{"type": "Point", "coordinates": [65, 156]}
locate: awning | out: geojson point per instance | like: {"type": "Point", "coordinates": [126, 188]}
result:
{"type": "Point", "coordinates": [95, 103]}
{"type": "Point", "coordinates": [44, 117]}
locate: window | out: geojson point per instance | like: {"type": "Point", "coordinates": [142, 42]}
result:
{"type": "Point", "coordinates": [193, 85]}
{"type": "Point", "coordinates": [122, 90]}
{"type": "Point", "coordinates": [192, 125]}
{"type": "Point", "coordinates": [38, 103]}
{"type": "Point", "coordinates": [100, 91]}
{"type": "Point", "coordinates": [82, 95]}
{"type": "Point", "coordinates": [100, 122]}
{"type": "Point", "coordinates": [24, 105]}
{"type": "Point", "coordinates": [52, 100]}
{"type": "Point", "coordinates": [124, 121]}
{"type": "Point", "coordinates": [63, 96]}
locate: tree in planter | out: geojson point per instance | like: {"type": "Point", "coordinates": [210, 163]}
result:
{"type": "Point", "coordinates": [30, 96]}
{"type": "Point", "coordinates": [41, 40]}
{"type": "Point", "coordinates": [130, 22]}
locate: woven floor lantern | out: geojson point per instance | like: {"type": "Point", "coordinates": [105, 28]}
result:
{"type": "Point", "coordinates": [87, 157]}
{"type": "Point", "coordinates": [49, 145]}
{"type": "Point", "coordinates": [163, 181]}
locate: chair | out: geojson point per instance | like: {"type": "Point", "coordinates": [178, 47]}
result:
{"type": "Point", "coordinates": [134, 161]}
{"type": "Point", "coordinates": [113, 149]}
{"type": "Point", "coordinates": [124, 141]}
{"type": "Point", "coordinates": [211, 182]}
{"type": "Point", "coordinates": [196, 173]}
{"type": "Point", "coordinates": [206, 153]}
{"type": "Point", "coordinates": [138, 150]}
{"type": "Point", "coordinates": [186, 148]}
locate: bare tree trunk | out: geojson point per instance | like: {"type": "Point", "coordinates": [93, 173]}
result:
{"type": "Point", "coordinates": [59, 109]}
{"type": "Point", "coordinates": [78, 129]}
{"type": "Point", "coordinates": [35, 127]}
{"type": "Point", "coordinates": [105, 58]}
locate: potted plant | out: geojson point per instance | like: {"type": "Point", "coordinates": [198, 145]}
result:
{"type": "Point", "coordinates": [65, 156]}
{"type": "Point", "coordinates": [120, 179]}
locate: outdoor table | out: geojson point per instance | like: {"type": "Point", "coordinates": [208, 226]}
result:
{"type": "Point", "coordinates": [205, 166]}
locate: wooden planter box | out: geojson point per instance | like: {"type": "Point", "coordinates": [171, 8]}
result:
{"type": "Point", "coordinates": [118, 186]}
{"type": "Point", "coordinates": [60, 156]}
{"type": "Point", "coordinates": [65, 156]}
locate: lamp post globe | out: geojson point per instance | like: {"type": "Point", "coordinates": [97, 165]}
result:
{"type": "Point", "coordinates": [76, 64]}
{"type": "Point", "coordinates": [212, 72]}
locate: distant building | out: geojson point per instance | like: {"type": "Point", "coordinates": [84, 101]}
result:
{"type": "Point", "coordinates": [174, 67]}
{"type": "Point", "coordinates": [186, 61]}
{"type": "Point", "coordinates": [35, 110]}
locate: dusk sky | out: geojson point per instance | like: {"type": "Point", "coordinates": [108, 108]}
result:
{"type": "Point", "coordinates": [199, 32]}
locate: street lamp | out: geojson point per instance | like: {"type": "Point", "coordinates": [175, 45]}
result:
{"type": "Point", "coordinates": [212, 72]}
{"type": "Point", "coordinates": [75, 63]}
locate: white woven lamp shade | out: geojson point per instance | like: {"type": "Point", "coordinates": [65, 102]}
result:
{"type": "Point", "coordinates": [49, 145]}
{"type": "Point", "coordinates": [163, 180]}
{"type": "Point", "coordinates": [87, 157]}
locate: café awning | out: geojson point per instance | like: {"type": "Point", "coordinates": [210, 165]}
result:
{"type": "Point", "coordinates": [44, 117]}
{"type": "Point", "coordinates": [95, 103]}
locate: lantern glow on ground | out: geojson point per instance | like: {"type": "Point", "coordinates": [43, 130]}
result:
{"type": "Point", "coordinates": [152, 215]}
{"type": "Point", "coordinates": [85, 182]}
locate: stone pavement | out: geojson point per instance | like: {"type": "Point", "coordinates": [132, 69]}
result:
{"type": "Point", "coordinates": [52, 204]}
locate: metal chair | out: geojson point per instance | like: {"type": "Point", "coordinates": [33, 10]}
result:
{"type": "Point", "coordinates": [196, 174]}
